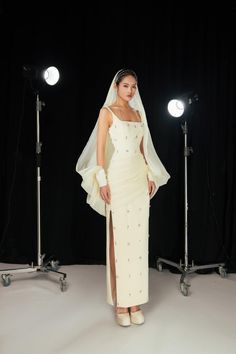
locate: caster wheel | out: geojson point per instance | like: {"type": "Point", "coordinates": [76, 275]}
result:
{"type": "Point", "coordinates": [54, 265]}
{"type": "Point", "coordinates": [6, 280]}
{"type": "Point", "coordinates": [159, 266]}
{"type": "Point", "coordinates": [222, 272]}
{"type": "Point", "coordinates": [184, 288]}
{"type": "Point", "coordinates": [63, 285]}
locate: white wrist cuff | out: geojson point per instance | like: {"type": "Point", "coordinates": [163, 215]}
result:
{"type": "Point", "coordinates": [101, 178]}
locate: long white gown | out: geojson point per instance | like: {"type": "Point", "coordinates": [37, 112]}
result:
{"type": "Point", "coordinates": [129, 210]}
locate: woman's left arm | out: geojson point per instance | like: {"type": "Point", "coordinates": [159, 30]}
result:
{"type": "Point", "coordinates": [151, 183]}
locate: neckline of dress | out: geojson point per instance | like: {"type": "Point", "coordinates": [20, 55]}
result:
{"type": "Point", "coordinates": [127, 121]}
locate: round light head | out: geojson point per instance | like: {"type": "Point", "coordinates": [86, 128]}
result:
{"type": "Point", "coordinates": [51, 75]}
{"type": "Point", "coordinates": [176, 108]}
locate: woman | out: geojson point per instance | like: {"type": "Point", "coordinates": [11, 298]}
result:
{"type": "Point", "coordinates": [121, 172]}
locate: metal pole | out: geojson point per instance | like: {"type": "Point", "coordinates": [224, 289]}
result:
{"type": "Point", "coordinates": [38, 164]}
{"type": "Point", "coordinates": [186, 153]}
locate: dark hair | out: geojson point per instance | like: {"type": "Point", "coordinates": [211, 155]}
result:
{"type": "Point", "coordinates": [123, 73]}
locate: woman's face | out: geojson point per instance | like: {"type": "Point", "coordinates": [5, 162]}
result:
{"type": "Point", "coordinates": [126, 88]}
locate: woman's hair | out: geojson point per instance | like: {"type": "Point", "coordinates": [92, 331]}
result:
{"type": "Point", "coordinates": [123, 73]}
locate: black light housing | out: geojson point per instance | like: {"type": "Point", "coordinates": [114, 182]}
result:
{"type": "Point", "coordinates": [50, 74]}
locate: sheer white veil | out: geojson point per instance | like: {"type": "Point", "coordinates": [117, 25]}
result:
{"type": "Point", "coordinates": [87, 166]}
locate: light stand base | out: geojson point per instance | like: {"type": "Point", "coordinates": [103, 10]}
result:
{"type": "Point", "coordinates": [186, 269]}
{"type": "Point", "coordinates": [44, 267]}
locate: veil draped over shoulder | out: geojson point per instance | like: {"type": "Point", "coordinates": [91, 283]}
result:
{"type": "Point", "coordinates": [87, 166]}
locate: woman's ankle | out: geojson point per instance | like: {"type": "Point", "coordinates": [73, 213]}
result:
{"type": "Point", "coordinates": [134, 308]}
{"type": "Point", "coordinates": [122, 309]}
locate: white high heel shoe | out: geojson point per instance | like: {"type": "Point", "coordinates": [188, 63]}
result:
{"type": "Point", "coordinates": [137, 317]}
{"type": "Point", "coordinates": [123, 319]}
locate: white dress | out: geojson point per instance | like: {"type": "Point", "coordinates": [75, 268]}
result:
{"type": "Point", "coordinates": [129, 209]}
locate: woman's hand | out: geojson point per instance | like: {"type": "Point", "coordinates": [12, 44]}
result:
{"type": "Point", "coordinates": [105, 194]}
{"type": "Point", "coordinates": [151, 188]}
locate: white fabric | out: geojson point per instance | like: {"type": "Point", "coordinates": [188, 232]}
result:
{"type": "Point", "coordinates": [87, 162]}
{"type": "Point", "coordinates": [150, 175]}
{"type": "Point", "coordinates": [101, 178]}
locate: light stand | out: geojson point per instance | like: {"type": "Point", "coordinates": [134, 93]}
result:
{"type": "Point", "coordinates": [186, 268]}
{"type": "Point", "coordinates": [42, 265]}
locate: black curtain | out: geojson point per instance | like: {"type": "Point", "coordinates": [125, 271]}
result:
{"type": "Point", "coordinates": [174, 50]}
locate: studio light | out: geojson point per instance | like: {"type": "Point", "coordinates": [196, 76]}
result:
{"type": "Point", "coordinates": [182, 108]}
{"type": "Point", "coordinates": [36, 75]}
{"type": "Point", "coordinates": [179, 105]}
{"type": "Point", "coordinates": [176, 108]}
{"type": "Point", "coordinates": [50, 75]}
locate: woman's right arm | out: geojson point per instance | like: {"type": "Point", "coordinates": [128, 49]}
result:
{"type": "Point", "coordinates": [104, 122]}
{"type": "Point", "coordinates": [103, 126]}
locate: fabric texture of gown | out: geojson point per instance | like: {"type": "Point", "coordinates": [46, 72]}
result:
{"type": "Point", "coordinates": [129, 209]}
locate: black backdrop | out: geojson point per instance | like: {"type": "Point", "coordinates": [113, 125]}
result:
{"type": "Point", "coordinates": [173, 50]}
